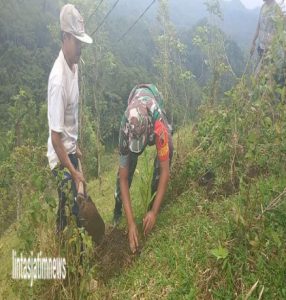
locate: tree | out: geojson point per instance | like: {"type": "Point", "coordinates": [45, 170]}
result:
{"type": "Point", "coordinates": [175, 81]}
{"type": "Point", "coordinates": [211, 41]}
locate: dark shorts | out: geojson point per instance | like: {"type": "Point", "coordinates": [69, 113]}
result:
{"type": "Point", "coordinates": [67, 193]}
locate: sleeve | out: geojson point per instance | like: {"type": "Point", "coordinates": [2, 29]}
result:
{"type": "Point", "coordinates": [162, 142]}
{"type": "Point", "coordinates": [123, 144]}
{"type": "Point", "coordinates": [153, 109]}
{"type": "Point", "coordinates": [56, 106]}
{"type": "Point", "coordinates": [123, 161]}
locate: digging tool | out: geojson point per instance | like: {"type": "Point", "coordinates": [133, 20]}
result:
{"type": "Point", "coordinates": [89, 216]}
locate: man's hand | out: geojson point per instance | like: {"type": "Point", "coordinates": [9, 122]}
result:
{"type": "Point", "coordinates": [77, 178]}
{"type": "Point", "coordinates": [149, 222]}
{"type": "Point", "coordinates": [133, 238]}
{"type": "Point", "coordinates": [64, 159]}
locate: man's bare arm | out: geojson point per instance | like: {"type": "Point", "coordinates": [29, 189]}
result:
{"type": "Point", "coordinates": [150, 218]}
{"type": "Point", "coordinates": [125, 196]}
{"type": "Point", "coordinates": [64, 159]}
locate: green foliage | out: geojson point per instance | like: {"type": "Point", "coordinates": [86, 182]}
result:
{"type": "Point", "coordinates": [174, 80]}
{"type": "Point", "coordinates": [90, 145]}
{"type": "Point", "coordinates": [213, 241]}
{"type": "Point", "coordinates": [27, 121]}
{"type": "Point", "coordinates": [37, 224]}
{"type": "Point", "coordinates": [213, 7]}
{"type": "Point", "coordinates": [23, 176]}
{"type": "Point", "coordinates": [211, 41]}
{"type": "Point", "coordinates": [241, 142]}
{"type": "Point", "coordinates": [224, 224]}
{"type": "Point", "coordinates": [26, 52]}
{"type": "Point", "coordinates": [144, 186]}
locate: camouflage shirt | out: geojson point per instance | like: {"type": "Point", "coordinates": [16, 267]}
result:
{"type": "Point", "coordinates": [144, 100]}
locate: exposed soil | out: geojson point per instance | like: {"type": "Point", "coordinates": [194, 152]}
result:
{"type": "Point", "coordinates": [207, 180]}
{"type": "Point", "coordinates": [225, 189]}
{"type": "Point", "coordinates": [113, 255]}
{"type": "Point", "coordinates": [230, 187]}
{"type": "Point", "coordinates": [253, 171]}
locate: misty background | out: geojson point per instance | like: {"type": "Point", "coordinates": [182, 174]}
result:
{"type": "Point", "coordinates": [239, 22]}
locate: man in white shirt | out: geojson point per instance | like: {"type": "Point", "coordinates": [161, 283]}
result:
{"type": "Point", "coordinates": [63, 94]}
{"type": "Point", "coordinates": [267, 26]}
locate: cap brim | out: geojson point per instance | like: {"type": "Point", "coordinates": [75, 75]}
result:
{"type": "Point", "coordinates": [85, 38]}
{"type": "Point", "coordinates": [137, 145]}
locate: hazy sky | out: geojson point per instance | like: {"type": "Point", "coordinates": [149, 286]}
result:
{"type": "Point", "coordinates": [252, 3]}
{"type": "Point", "coordinates": [258, 3]}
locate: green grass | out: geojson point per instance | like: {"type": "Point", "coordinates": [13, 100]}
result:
{"type": "Point", "coordinates": [177, 260]}
{"type": "Point", "coordinates": [8, 242]}
{"type": "Point", "coordinates": [203, 247]}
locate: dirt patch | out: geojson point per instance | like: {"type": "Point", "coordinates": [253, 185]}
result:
{"type": "Point", "coordinates": [113, 255]}
{"type": "Point", "coordinates": [230, 187]}
{"type": "Point", "coordinates": [253, 171]}
{"type": "Point", "coordinates": [207, 180]}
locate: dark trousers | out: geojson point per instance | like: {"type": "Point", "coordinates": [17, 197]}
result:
{"type": "Point", "coordinates": [67, 193]}
{"type": "Point", "coordinates": [260, 52]}
{"type": "Point", "coordinates": [133, 158]}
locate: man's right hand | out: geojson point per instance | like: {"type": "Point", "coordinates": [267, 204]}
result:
{"type": "Point", "coordinates": [133, 238]}
{"type": "Point", "coordinates": [77, 178]}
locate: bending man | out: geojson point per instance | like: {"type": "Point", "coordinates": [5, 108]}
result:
{"type": "Point", "coordinates": [144, 123]}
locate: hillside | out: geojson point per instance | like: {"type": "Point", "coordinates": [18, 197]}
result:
{"type": "Point", "coordinates": [220, 233]}
{"type": "Point", "coordinates": [239, 22]}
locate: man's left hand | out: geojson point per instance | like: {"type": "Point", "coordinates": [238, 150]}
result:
{"type": "Point", "coordinates": [149, 222]}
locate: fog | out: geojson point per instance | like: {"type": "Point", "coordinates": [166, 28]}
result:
{"type": "Point", "coordinates": [252, 3]}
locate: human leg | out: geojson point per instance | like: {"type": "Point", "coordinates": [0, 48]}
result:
{"type": "Point", "coordinates": [66, 190]}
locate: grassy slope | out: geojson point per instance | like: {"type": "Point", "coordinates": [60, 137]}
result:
{"type": "Point", "coordinates": [176, 261]}
{"type": "Point", "coordinates": [204, 248]}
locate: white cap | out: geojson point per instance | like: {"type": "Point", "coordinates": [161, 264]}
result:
{"type": "Point", "coordinates": [72, 22]}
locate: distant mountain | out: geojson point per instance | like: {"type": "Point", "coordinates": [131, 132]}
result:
{"type": "Point", "coordinates": [239, 22]}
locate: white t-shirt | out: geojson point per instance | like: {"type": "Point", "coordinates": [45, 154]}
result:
{"type": "Point", "coordinates": [63, 97]}
{"type": "Point", "coordinates": [268, 21]}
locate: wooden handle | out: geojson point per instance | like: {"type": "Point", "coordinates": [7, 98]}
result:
{"type": "Point", "coordinates": [80, 189]}
{"type": "Point", "coordinates": [79, 165]}
{"type": "Point", "coordinates": [81, 185]}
